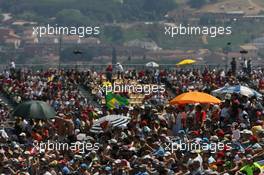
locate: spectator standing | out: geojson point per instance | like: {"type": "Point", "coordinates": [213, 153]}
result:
{"type": "Point", "coordinates": [120, 70]}
{"type": "Point", "coordinates": [234, 66]}
{"type": "Point", "coordinates": [249, 66]}
{"type": "Point", "coordinates": [109, 70]}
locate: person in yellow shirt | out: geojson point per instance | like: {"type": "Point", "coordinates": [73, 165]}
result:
{"type": "Point", "coordinates": [251, 168]}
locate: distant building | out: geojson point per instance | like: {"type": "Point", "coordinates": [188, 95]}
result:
{"type": "Point", "coordinates": [145, 44]}
{"type": "Point", "coordinates": [23, 22]}
{"type": "Point", "coordinates": [256, 18]}
{"type": "Point", "coordinates": [72, 39]}
{"type": "Point", "coordinates": [8, 36]}
{"type": "Point", "coordinates": [252, 50]}
{"type": "Point", "coordinates": [223, 16]}
{"type": "Point", "coordinates": [179, 15]}
{"type": "Point", "coordinates": [68, 40]}
{"type": "Point", "coordinates": [235, 13]}
{"type": "Point", "coordinates": [29, 37]}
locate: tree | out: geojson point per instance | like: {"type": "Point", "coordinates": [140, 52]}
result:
{"type": "Point", "coordinates": [98, 11]}
{"type": "Point", "coordinates": [70, 16]}
{"type": "Point", "coordinates": [197, 3]}
{"type": "Point", "coordinates": [158, 8]}
{"type": "Point", "coordinates": [113, 34]}
{"type": "Point", "coordinates": [32, 16]}
{"type": "Point", "coordinates": [207, 20]}
{"type": "Point", "coordinates": [147, 9]}
{"type": "Point", "coordinates": [213, 1]}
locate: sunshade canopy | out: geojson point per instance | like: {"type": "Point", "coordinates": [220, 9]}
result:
{"type": "Point", "coordinates": [152, 64]}
{"type": "Point", "coordinates": [34, 110]}
{"type": "Point", "coordinates": [194, 97]}
{"type": "Point", "coordinates": [239, 89]}
{"type": "Point", "coordinates": [186, 62]}
{"type": "Point", "coordinates": [112, 120]}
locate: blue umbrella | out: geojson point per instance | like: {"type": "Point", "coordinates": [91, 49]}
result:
{"type": "Point", "coordinates": [238, 89]}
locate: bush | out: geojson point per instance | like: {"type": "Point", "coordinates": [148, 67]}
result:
{"type": "Point", "coordinates": [97, 11]}
{"type": "Point", "coordinates": [197, 3]}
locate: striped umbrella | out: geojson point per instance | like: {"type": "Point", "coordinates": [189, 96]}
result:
{"type": "Point", "coordinates": [239, 89]}
{"type": "Point", "coordinates": [109, 120]}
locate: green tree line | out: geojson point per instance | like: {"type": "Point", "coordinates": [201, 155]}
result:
{"type": "Point", "coordinates": [83, 11]}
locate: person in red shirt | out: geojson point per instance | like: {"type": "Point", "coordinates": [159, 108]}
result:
{"type": "Point", "coordinates": [261, 85]}
{"type": "Point", "coordinates": [200, 117]}
{"type": "Point", "coordinates": [36, 136]}
{"type": "Point", "coordinates": [109, 70]}
{"type": "Point", "coordinates": [215, 113]}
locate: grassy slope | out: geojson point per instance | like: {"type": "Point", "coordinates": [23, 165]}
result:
{"type": "Point", "coordinates": [242, 33]}
{"type": "Point", "coordinates": [260, 2]}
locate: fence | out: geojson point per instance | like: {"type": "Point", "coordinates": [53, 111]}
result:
{"type": "Point", "coordinates": [99, 67]}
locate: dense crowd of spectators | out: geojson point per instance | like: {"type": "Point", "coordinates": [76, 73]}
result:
{"type": "Point", "coordinates": [147, 144]}
{"type": "Point", "coordinates": [4, 112]}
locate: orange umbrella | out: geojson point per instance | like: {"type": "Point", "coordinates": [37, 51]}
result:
{"type": "Point", "coordinates": [194, 97]}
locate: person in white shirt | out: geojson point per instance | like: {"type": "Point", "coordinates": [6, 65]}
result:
{"type": "Point", "coordinates": [245, 65]}
{"type": "Point", "coordinates": [120, 70]}
{"type": "Point", "coordinates": [235, 133]}
{"type": "Point", "coordinates": [13, 65]}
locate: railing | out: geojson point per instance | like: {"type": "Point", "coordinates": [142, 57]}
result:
{"type": "Point", "coordinates": [86, 66]}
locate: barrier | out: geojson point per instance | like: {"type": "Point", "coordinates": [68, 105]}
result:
{"type": "Point", "coordinates": [99, 67]}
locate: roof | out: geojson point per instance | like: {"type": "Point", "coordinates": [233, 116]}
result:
{"type": "Point", "coordinates": [235, 12]}
{"type": "Point", "coordinates": [23, 22]}
{"type": "Point", "coordinates": [249, 47]}
{"type": "Point", "coordinates": [254, 16]}
{"type": "Point", "coordinates": [6, 33]}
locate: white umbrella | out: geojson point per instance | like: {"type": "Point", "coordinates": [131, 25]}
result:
{"type": "Point", "coordinates": [243, 90]}
{"type": "Point", "coordinates": [152, 64]}
{"type": "Point", "coordinates": [114, 121]}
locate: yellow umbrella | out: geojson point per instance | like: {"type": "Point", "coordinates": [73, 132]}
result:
{"type": "Point", "coordinates": [194, 97]}
{"type": "Point", "coordinates": [185, 62]}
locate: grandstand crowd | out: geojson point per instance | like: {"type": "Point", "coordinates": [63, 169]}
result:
{"type": "Point", "coordinates": [140, 147]}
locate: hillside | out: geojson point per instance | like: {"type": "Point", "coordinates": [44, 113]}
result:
{"type": "Point", "coordinates": [250, 7]}
{"type": "Point", "coordinates": [89, 11]}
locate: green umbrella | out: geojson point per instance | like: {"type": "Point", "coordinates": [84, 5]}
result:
{"type": "Point", "coordinates": [34, 110]}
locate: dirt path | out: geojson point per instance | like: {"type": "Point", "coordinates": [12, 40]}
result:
{"type": "Point", "coordinates": [255, 5]}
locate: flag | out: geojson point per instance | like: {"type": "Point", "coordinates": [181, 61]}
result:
{"type": "Point", "coordinates": [115, 101]}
